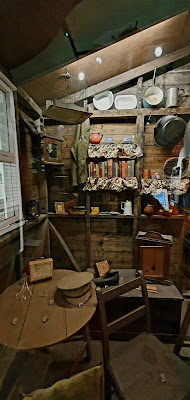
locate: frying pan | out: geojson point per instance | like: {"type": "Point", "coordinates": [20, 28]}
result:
{"type": "Point", "coordinates": [169, 130]}
{"type": "Point", "coordinates": [153, 95]}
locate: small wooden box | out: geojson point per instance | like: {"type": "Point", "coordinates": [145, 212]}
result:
{"type": "Point", "coordinates": [41, 269]}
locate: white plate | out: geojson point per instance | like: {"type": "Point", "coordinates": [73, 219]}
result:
{"type": "Point", "coordinates": [125, 102]}
{"type": "Point", "coordinates": [104, 100]}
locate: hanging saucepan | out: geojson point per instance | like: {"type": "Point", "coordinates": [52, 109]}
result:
{"type": "Point", "coordinates": [169, 130]}
{"type": "Point", "coordinates": [153, 95]}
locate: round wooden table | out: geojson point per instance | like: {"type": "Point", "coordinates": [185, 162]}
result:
{"type": "Point", "coordinates": [30, 331]}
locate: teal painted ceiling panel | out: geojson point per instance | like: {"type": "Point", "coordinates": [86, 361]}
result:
{"type": "Point", "coordinates": [94, 24]}
{"type": "Point", "coordinates": [56, 54]}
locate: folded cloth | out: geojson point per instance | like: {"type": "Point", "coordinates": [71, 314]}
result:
{"type": "Point", "coordinates": [84, 386]}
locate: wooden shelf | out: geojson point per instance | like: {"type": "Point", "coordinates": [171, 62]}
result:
{"type": "Point", "coordinates": [50, 215]}
{"type": "Point", "coordinates": [173, 217]}
{"type": "Point", "coordinates": [16, 232]}
{"type": "Point", "coordinates": [54, 215]}
{"type": "Point", "coordinates": [112, 216]}
{"type": "Point", "coordinates": [139, 111]}
{"type": "Point", "coordinates": [30, 224]}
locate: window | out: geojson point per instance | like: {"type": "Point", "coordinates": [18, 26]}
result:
{"type": "Point", "coordinates": [10, 193]}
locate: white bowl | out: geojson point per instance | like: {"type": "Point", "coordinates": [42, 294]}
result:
{"type": "Point", "coordinates": [125, 102]}
{"type": "Point", "coordinates": [104, 100]}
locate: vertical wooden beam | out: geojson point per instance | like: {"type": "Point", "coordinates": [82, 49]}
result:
{"type": "Point", "coordinates": [88, 232]}
{"type": "Point", "coordinates": [138, 167]}
{"type": "Point", "coordinates": [47, 251]}
{"type": "Point", "coordinates": [64, 246]}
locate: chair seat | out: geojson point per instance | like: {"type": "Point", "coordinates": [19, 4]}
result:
{"type": "Point", "coordinates": [147, 370]}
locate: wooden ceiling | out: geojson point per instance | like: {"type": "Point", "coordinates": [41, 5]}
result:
{"type": "Point", "coordinates": [33, 41]}
{"type": "Point", "coordinates": [26, 28]}
{"type": "Point", "coordinates": [122, 56]}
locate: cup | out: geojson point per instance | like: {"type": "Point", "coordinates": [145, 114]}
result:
{"type": "Point", "coordinates": [126, 206]}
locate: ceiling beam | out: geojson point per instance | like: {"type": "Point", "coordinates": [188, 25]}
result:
{"type": "Point", "coordinates": [31, 103]}
{"type": "Point", "coordinates": [133, 73]}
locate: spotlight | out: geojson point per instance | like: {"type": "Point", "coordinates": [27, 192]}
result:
{"type": "Point", "coordinates": [158, 51]}
{"type": "Point", "coordinates": [98, 60]}
{"type": "Point", "coordinates": [81, 76]}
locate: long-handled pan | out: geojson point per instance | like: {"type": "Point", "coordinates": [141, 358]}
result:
{"type": "Point", "coordinates": [153, 95]}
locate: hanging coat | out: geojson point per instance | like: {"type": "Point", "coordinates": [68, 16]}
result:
{"type": "Point", "coordinates": [79, 154]}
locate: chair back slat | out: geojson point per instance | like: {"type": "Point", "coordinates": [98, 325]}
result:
{"type": "Point", "coordinates": [105, 295]}
{"type": "Point", "coordinates": [113, 292]}
{"type": "Point", "coordinates": [126, 319]}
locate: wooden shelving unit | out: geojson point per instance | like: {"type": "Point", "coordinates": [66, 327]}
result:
{"type": "Point", "coordinates": [137, 115]}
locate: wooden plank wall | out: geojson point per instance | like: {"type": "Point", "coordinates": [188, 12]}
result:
{"type": "Point", "coordinates": [33, 178]}
{"type": "Point", "coordinates": [33, 185]}
{"type": "Point", "coordinates": [60, 187]}
{"type": "Point", "coordinates": [112, 239]}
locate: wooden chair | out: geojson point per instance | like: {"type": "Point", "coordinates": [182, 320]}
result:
{"type": "Point", "coordinates": [182, 340]}
{"type": "Point", "coordinates": [142, 368]}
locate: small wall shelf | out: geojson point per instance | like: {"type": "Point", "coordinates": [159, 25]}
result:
{"type": "Point", "coordinates": [178, 187]}
{"type": "Point", "coordinates": [112, 216]}
{"type": "Point", "coordinates": [138, 112]}
{"type": "Point", "coordinates": [115, 184]}
{"type": "Point", "coordinates": [173, 217]}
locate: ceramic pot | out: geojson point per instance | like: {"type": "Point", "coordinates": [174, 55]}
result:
{"type": "Point", "coordinates": [95, 138]}
{"type": "Point", "coordinates": [149, 209]}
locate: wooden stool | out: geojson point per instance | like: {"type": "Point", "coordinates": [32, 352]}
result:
{"type": "Point", "coordinates": [181, 342]}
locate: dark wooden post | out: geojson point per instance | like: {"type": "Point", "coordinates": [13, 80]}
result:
{"type": "Point", "coordinates": [139, 166]}
{"type": "Point", "coordinates": [88, 247]}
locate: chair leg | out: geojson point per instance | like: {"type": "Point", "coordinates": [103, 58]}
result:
{"type": "Point", "coordinates": [183, 332]}
{"type": "Point", "coordinates": [86, 335]}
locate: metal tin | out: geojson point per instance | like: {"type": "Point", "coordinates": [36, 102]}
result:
{"type": "Point", "coordinates": [146, 173]}
{"type": "Point", "coordinates": [172, 96]}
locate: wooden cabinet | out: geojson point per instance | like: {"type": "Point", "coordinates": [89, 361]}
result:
{"type": "Point", "coordinates": [153, 254]}
{"type": "Point", "coordinates": [52, 151]}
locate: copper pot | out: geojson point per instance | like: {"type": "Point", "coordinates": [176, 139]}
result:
{"type": "Point", "coordinates": [149, 209]}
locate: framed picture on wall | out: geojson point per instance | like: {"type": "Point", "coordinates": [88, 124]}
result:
{"type": "Point", "coordinates": [60, 207]}
{"type": "Point", "coordinates": [162, 197]}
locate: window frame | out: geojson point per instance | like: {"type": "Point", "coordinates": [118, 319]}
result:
{"type": "Point", "coordinates": [11, 156]}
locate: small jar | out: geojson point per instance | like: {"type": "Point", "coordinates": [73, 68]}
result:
{"type": "Point", "coordinates": [146, 173]}
{"type": "Point", "coordinates": [149, 209]}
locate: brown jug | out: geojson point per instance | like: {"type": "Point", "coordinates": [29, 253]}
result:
{"type": "Point", "coordinates": [149, 209]}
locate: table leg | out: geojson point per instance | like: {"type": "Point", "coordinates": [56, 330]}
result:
{"type": "Point", "coordinates": [86, 335]}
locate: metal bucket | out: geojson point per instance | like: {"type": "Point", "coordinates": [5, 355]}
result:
{"type": "Point", "coordinates": [172, 97]}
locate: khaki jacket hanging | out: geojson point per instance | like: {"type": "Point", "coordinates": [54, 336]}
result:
{"type": "Point", "coordinates": [79, 154]}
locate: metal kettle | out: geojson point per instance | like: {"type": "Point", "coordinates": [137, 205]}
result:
{"type": "Point", "coordinates": [95, 138]}
{"type": "Point", "coordinates": [126, 206]}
